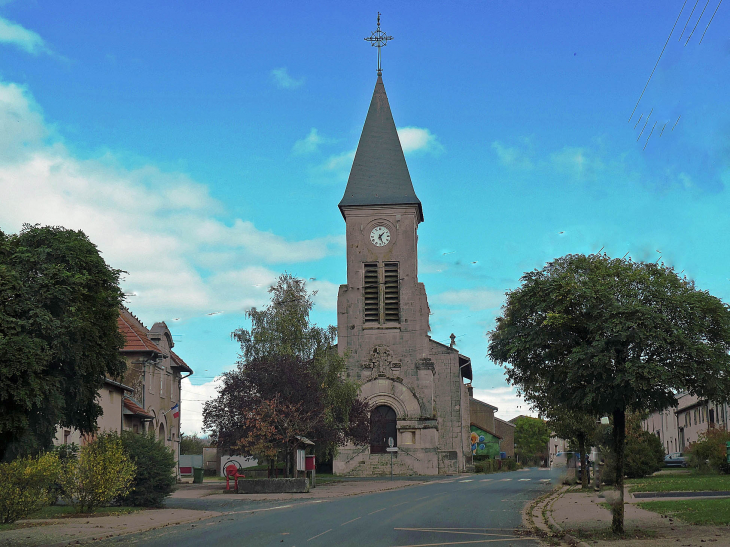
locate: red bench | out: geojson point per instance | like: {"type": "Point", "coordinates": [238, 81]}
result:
{"type": "Point", "coordinates": [232, 472]}
{"type": "Point", "coordinates": [186, 470]}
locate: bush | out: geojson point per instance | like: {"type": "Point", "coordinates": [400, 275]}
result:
{"type": "Point", "coordinates": [485, 466]}
{"type": "Point", "coordinates": [25, 485]}
{"type": "Point", "coordinates": [65, 453]}
{"type": "Point", "coordinates": [643, 456]}
{"type": "Point", "coordinates": [709, 452]}
{"type": "Point", "coordinates": [155, 477]}
{"type": "Point", "coordinates": [102, 472]}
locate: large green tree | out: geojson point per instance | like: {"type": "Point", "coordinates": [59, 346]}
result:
{"type": "Point", "coordinates": [608, 336]}
{"type": "Point", "coordinates": [59, 303]}
{"type": "Point", "coordinates": [286, 357]}
{"type": "Point", "coordinates": [531, 439]}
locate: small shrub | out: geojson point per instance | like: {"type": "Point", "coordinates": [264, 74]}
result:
{"type": "Point", "coordinates": [102, 472]}
{"type": "Point", "coordinates": [155, 478]}
{"type": "Point", "coordinates": [644, 454]}
{"type": "Point", "coordinates": [25, 485]}
{"type": "Point", "coordinates": [65, 453]}
{"type": "Point", "coordinates": [510, 465]}
{"type": "Point", "coordinates": [485, 466]}
{"type": "Point", "coordinates": [709, 452]}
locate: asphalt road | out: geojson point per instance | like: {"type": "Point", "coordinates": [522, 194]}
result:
{"type": "Point", "coordinates": [464, 510]}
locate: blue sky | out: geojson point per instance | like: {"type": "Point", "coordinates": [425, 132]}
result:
{"type": "Point", "coordinates": [204, 148]}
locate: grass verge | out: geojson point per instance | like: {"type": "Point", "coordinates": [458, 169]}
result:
{"type": "Point", "coordinates": [67, 512]}
{"type": "Point", "coordinates": [712, 511]}
{"type": "Point", "coordinates": [680, 483]}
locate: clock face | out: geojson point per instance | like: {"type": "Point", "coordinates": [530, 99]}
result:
{"type": "Point", "coordinates": [380, 236]}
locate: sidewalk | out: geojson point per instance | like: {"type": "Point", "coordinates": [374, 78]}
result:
{"type": "Point", "coordinates": [580, 513]}
{"type": "Point", "coordinates": [59, 532]}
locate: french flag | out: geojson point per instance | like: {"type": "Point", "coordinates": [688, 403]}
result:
{"type": "Point", "coordinates": [175, 410]}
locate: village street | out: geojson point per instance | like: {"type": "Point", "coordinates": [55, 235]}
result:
{"type": "Point", "coordinates": [465, 508]}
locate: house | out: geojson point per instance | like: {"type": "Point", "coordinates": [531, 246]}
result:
{"type": "Point", "coordinates": [679, 427]}
{"type": "Point", "coordinates": [148, 396]}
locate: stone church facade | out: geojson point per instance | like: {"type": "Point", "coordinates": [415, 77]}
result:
{"type": "Point", "coordinates": [415, 385]}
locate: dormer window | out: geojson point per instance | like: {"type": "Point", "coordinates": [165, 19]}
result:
{"type": "Point", "coordinates": [381, 293]}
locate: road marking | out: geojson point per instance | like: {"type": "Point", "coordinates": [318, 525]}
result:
{"type": "Point", "coordinates": [544, 480]}
{"type": "Point", "coordinates": [485, 480]}
{"type": "Point", "coordinates": [323, 533]}
{"type": "Point", "coordinates": [396, 505]}
{"type": "Point", "coordinates": [423, 498]}
{"type": "Point", "coordinates": [467, 480]}
{"type": "Point", "coordinates": [378, 511]}
{"type": "Point", "coordinates": [456, 531]}
{"type": "Point", "coordinates": [349, 521]}
{"type": "Point", "coordinates": [524, 480]}
{"type": "Point", "coordinates": [504, 480]}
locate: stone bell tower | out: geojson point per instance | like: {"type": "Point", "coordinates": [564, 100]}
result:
{"type": "Point", "coordinates": [413, 384]}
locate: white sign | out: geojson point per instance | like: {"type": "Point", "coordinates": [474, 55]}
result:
{"type": "Point", "coordinates": [391, 449]}
{"type": "Point", "coordinates": [300, 460]}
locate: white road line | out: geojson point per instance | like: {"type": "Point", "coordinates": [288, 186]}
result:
{"type": "Point", "coordinates": [504, 480]}
{"type": "Point", "coordinates": [485, 480]}
{"type": "Point", "coordinates": [544, 480]}
{"type": "Point", "coordinates": [378, 511]}
{"type": "Point", "coordinates": [524, 480]}
{"type": "Point", "coordinates": [397, 504]}
{"type": "Point", "coordinates": [349, 521]}
{"type": "Point", "coordinates": [323, 533]}
{"type": "Point", "coordinates": [467, 480]}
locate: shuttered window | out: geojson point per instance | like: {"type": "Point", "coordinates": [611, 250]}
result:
{"type": "Point", "coordinates": [381, 292]}
{"type": "Point", "coordinates": [391, 293]}
{"type": "Point", "coordinates": [371, 291]}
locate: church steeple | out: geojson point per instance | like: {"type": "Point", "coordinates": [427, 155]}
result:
{"type": "Point", "coordinates": [379, 174]}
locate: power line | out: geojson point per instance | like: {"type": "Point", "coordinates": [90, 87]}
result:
{"type": "Point", "coordinates": [688, 20]}
{"type": "Point", "coordinates": [697, 23]}
{"type": "Point", "coordinates": [657, 61]}
{"type": "Point", "coordinates": [708, 24]}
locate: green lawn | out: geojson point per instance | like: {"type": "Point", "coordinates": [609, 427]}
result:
{"type": "Point", "coordinates": [680, 483]}
{"type": "Point", "coordinates": [706, 511]}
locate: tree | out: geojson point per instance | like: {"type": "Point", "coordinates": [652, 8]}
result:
{"type": "Point", "coordinates": [531, 438]}
{"type": "Point", "coordinates": [154, 478]}
{"type": "Point", "coordinates": [573, 426]}
{"type": "Point", "coordinates": [102, 472]}
{"type": "Point", "coordinates": [286, 357]}
{"type": "Point", "coordinates": [192, 444]}
{"type": "Point", "coordinates": [607, 336]}
{"type": "Point", "coordinates": [59, 303]}
{"type": "Point", "coordinates": [644, 450]}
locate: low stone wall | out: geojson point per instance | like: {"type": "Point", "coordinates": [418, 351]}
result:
{"type": "Point", "coordinates": [272, 486]}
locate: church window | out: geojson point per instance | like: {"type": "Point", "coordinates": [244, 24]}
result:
{"type": "Point", "coordinates": [381, 293]}
{"type": "Point", "coordinates": [382, 428]}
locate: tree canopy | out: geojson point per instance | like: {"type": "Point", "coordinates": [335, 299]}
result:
{"type": "Point", "coordinates": [531, 438]}
{"type": "Point", "coordinates": [59, 303]}
{"type": "Point", "coordinates": [288, 381]}
{"type": "Point", "coordinates": [607, 336]}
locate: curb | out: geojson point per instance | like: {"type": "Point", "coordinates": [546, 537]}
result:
{"type": "Point", "coordinates": [683, 494]}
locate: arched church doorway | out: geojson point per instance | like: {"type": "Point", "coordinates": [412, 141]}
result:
{"type": "Point", "coordinates": [162, 432]}
{"type": "Point", "coordinates": [382, 427]}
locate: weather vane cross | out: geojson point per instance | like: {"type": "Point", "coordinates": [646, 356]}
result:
{"type": "Point", "coordinates": [378, 39]}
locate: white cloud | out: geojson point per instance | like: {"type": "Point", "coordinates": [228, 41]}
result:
{"type": "Point", "coordinates": [282, 80]}
{"type": "Point", "coordinates": [310, 143]}
{"type": "Point", "coordinates": [160, 227]}
{"type": "Point", "coordinates": [19, 36]}
{"type": "Point", "coordinates": [335, 169]}
{"type": "Point", "coordinates": [475, 299]}
{"type": "Point", "coordinates": [512, 156]}
{"type": "Point", "coordinates": [578, 163]}
{"type": "Point", "coordinates": [510, 405]}
{"type": "Point", "coordinates": [418, 139]}
{"type": "Point", "coordinates": [191, 407]}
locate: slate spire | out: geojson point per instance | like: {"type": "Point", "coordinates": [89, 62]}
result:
{"type": "Point", "coordinates": [379, 174]}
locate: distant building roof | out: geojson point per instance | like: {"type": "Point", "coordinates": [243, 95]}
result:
{"type": "Point", "coordinates": [118, 385]}
{"type": "Point", "coordinates": [485, 429]}
{"type": "Point", "coordinates": [494, 408]}
{"type": "Point", "coordinates": [135, 334]}
{"type": "Point", "coordinates": [379, 174]}
{"type": "Point", "coordinates": [130, 407]}
{"type": "Point", "coordinates": [179, 363]}
{"type": "Point", "coordinates": [504, 422]}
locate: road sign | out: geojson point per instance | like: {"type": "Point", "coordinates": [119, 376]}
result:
{"type": "Point", "coordinates": [392, 449]}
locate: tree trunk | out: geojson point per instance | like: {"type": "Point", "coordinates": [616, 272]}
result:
{"type": "Point", "coordinates": [583, 460]}
{"type": "Point", "coordinates": [619, 444]}
{"type": "Point", "coordinates": [286, 470]}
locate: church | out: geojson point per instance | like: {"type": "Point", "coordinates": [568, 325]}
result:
{"type": "Point", "coordinates": [416, 387]}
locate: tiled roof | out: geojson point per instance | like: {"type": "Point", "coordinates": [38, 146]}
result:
{"type": "Point", "coordinates": [135, 409]}
{"type": "Point", "coordinates": [379, 174]}
{"type": "Point", "coordinates": [178, 362]}
{"type": "Point", "coordinates": [135, 334]}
